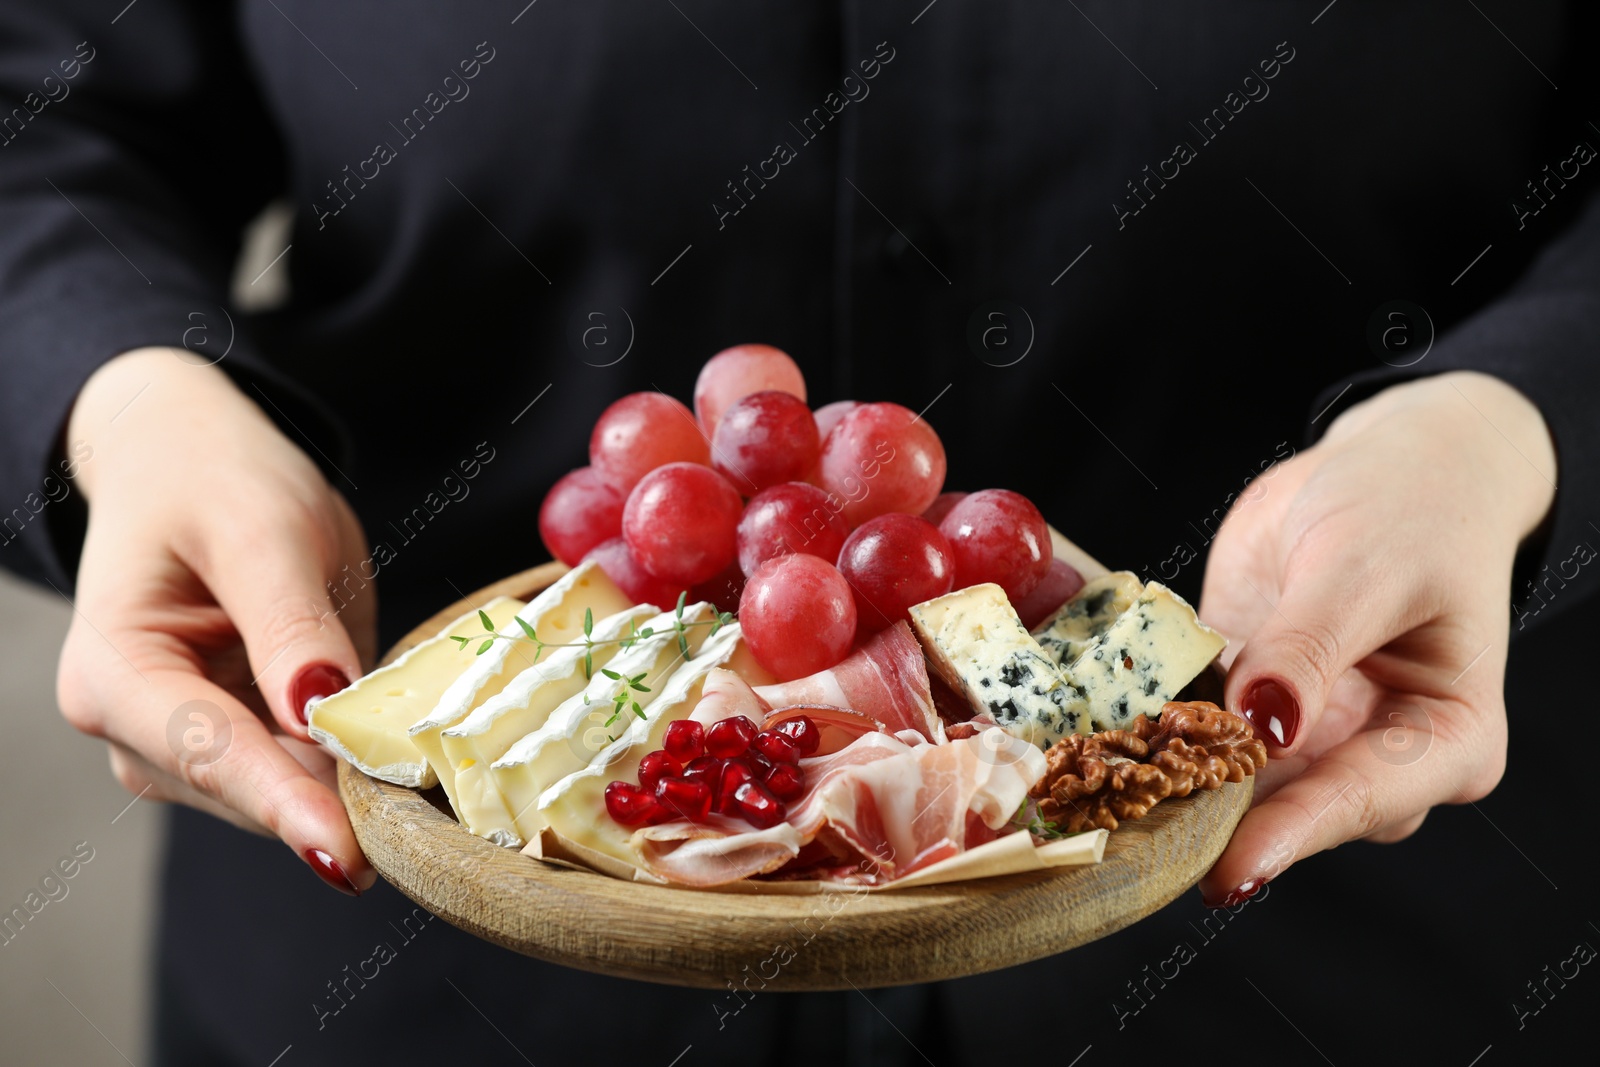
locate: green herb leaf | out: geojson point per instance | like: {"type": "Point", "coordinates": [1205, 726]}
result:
{"type": "Point", "coordinates": [682, 599]}
{"type": "Point", "coordinates": [486, 646]}
{"type": "Point", "coordinates": [461, 642]}
{"type": "Point", "coordinates": [683, 644]}
{"type": "Point", "coordinates": [527, 628]}
{"type": "Point", "coordinates": [488, 623]}
{"type": "Point", "coordinates": [646, 632]}
{"type": "Point", "coordinates": [609, 673]}
{"type": "Point", "coordinates": [588, 665]}
{"type": "Point", "coordinates": [588, 622]}
{"type": "Point", "coordinates": [637, 710]}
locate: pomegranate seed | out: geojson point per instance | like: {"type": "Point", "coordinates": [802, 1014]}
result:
{"type": "Point", "coordinates": [655, 766]}
{"type": "Point", "coordinates": [779, 748]}
{"type": "Point", "coordinates": [690, 800]}
{"type": "Point", "coordinates": [735, 772]}
{"type": "Point", "coordinates": [759, 807]}
{"type": "Point", "coordinates": [760, 764]}
{"type": "Point", "coordinates": [707, 769]}
{"type": "Point", "coordinates": [728, 738]}
{"type": "Point", "coordinates": [685, 740]}
{"type": "Point", "coordinates": [628, 804]}
{"type": "Point", "coordinates": [803, 732]}
{"type": "Point", "coordinates": [786, 781]}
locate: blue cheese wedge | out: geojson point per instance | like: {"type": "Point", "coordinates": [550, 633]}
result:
{"type": "Point", "coordinates": [1151, 651]}
{"type": "Point", "coordinates": [1065, 635]}
{"type": "Point", "coordinates": [977, 645]}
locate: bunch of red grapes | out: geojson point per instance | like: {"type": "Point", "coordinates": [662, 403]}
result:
{"type": "Point", "coordinates": [819, 528]}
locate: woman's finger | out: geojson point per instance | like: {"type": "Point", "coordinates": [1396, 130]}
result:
{"type": "Point", "coordinates": [197, 734]}
{"type": "Point", "coordinates": [1338, 605]}
{"type": "Point", "coordinates": [1356, 789]}
{"type": "Point", "coordinates": [270, 577]}
{"type": "Point", "coordinates": [145, 781]}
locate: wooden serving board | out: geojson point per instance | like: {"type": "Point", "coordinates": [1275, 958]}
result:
{"type": "Point", "coordinates": [814, 942]}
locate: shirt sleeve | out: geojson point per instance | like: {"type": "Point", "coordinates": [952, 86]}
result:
{"type": "Point", "coordinates": [1543, 337]}
{"type": "Point", "coordinates": [132, 152]}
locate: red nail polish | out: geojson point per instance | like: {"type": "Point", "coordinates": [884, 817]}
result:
{"type": "Point", "coordinates": [329, 870]}
{"type": "Point", "coordinates": [1244, 892]}
{"type": "Point", "coordinates": [1272, 710]}
{"type": "Point", "coordinates": [313, 683]}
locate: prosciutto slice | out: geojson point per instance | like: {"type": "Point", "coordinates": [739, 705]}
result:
{"type": "Point", "coordinates": [885, 679]}
{"type": "Point", "coordinates": [892, 807]}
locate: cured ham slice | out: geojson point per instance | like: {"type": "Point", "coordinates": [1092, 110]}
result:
{"type": "Point", "coordinates": [725, 695]}
{"type": "Point", "coordinates": [894, 807]}
{"type": "Point", "coordinates": [885, 679]}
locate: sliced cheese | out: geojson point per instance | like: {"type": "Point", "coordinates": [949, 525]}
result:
{"type": "Point", "coordinates": [1089, 613]}
{"type": "Point", "coordinates": [575, 806]}
{"type": "Point", "coordinates": [521, 707]}
{"type": "Point", "coordinates": [977, 645]}
{"type": "Point", "coordinates": [556, 615]}
{"type": "Point", "coordinates": [580, 726]}
{"type": "Point", "coordinates": [1141, 661]}
{"type": "Point", "coordinates": [369, 722]}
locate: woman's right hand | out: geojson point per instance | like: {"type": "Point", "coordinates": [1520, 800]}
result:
{"type": "Point", "coordinates": [202, 622]}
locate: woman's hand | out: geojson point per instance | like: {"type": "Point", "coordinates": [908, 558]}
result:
{"type": "Point", "coordinates": [202, 622]}
{"type": "Point", "coordinates": [1366, 585]}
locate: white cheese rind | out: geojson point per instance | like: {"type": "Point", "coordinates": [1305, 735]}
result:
{"type": "Point", "coordinates": [576, 729]}
{"type": "Point", "coordinates": [556, 615]}
{"type": "Point", "coordinates": [575, 808]}
{"type": "Point", "coordinates": [1091, 612]}
{"type": "Point", "coordinates": [521, 707]}
{"type": "Point", "coordinates": [369, 722]}
{"type": "Point", "coordinates": [1144, 658]}
{"type": "Point", "coordinates": [977, 644]}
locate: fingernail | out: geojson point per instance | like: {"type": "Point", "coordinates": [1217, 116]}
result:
{"type": "Point", "coordinates": [1272, 711]}
{"type": "Point", "coordinates": [313, 683]}
{"type": "Point", "coordinates": [1244, 892]}
{"type": "Point", "coordinates": [329, 870]}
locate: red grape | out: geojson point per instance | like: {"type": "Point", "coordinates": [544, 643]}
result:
{"type": "Point", "coordinates": [882, 458]}
{"type": "Point", "coordinates": [723, 590]}
{"type": "Point", "coordinates": [828, 416]}
{"type": "Point", "coordinates": [941, 506]}
{"type": "Point", "coordinates": [793, 517]}
{"type": "Point", "coordinates": [636, 583]}
{"type": "Point", "coordinates": [641, 432]}
{"type": "Point", "coordinates": [739, 371]}
{"type": "Point", "coordinates": [579, 512]}
{"type": "Point", "coordinates": [680, 522]}
{"type": "Point", "coordinates": [765, 439]}
{"type": "Point", "coordinates": [1059, 583]}
{"type": "Point", "coordinates": [893, 562]}
{"type": "Point", "coordinates": [998, 536]}
{"type": "Point", "coordinates": [797, 615]}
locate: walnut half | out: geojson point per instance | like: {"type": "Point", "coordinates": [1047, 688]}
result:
{"type": "Point", "coordinates": [1095, 781]}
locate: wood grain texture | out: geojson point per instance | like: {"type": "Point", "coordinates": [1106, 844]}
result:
{"type": "Point", "coordinates": [827, 941]}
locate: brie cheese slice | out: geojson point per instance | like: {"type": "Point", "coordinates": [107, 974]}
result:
{"type": "Point", "coordinates": [369, 722]}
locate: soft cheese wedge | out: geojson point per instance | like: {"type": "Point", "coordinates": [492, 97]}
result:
{"type": "Point", "coordinates": [369, 722]}
{"type": "Point", "coordinates": [577, 728]}
{"type": "Point", "coordinates": [574, 807]}
{"type": "Point", "coordinates": [522, 707]}
{"type": "Point", "coordinates": [1091, 612]}
{"type": "Point", "coordinates": [556, 615]}
{"type": "Point", "coordinates": [976, 643]}
{"type": "Point", "coordinates": [1151, 651]}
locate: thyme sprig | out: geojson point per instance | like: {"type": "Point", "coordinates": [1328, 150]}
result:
{"type": "Point", "coordinates": [1028, 818]}
{"type": "Point", "coordinates": [635, 634]}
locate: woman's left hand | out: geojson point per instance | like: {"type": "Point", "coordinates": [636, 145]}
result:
{"type": "Point", "coordinates": [1366, 585]}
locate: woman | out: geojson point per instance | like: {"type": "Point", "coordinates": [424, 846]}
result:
{"type": "Point", "coordinates": [913, 203]}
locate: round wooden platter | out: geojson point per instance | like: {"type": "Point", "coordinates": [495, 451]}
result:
{"type": "Point", "coordinates": [832, 940]}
